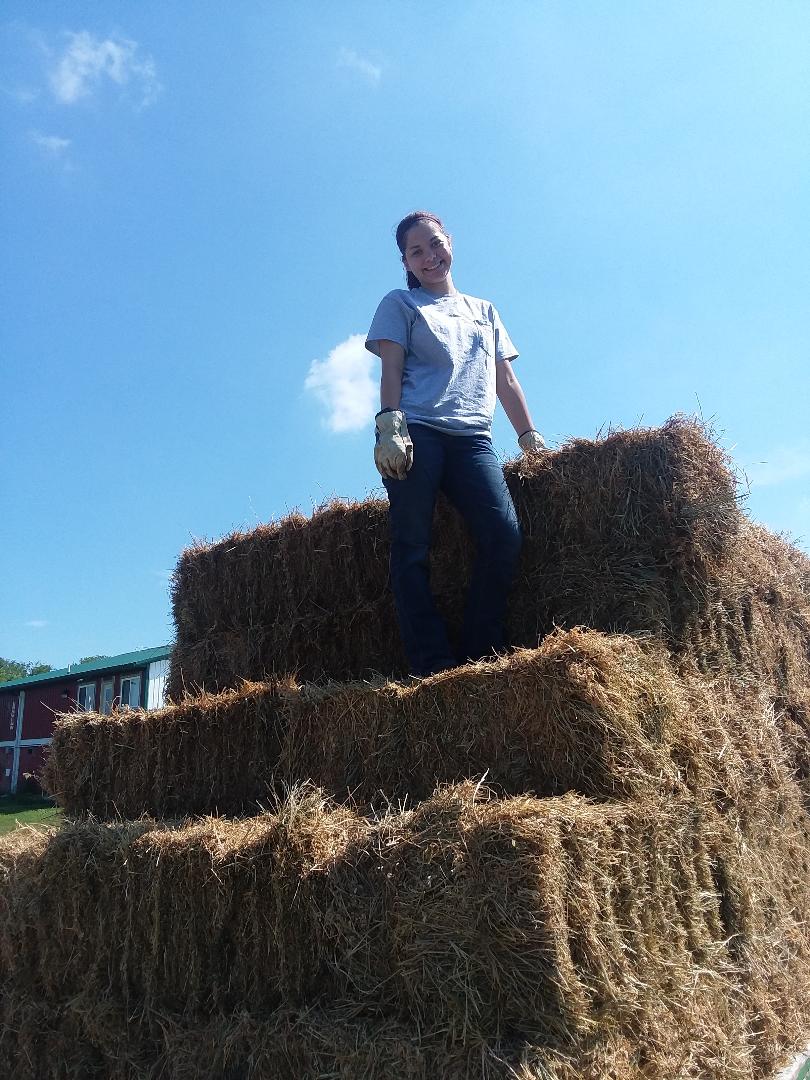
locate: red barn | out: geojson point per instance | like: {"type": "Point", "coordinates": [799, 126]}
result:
{"type": "Point", "coordinates": [27, 706]}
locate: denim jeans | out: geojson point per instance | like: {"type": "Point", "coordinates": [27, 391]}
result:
{"type": "Point", "coordinates": [467, 470]}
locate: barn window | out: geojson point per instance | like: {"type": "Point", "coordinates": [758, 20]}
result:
{"type": "Point", "coordinates": [130, 691]}
{"type": "Point", "coordinates": [86, 696]}
{"type": "Point", "coordinates": [107, 696]}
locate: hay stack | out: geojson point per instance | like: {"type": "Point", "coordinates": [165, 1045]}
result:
{"type": "Point", "coordinates": [584, 712]}
{"type": "Point", "coordinates": [621, 534]}
{"type": "Point", "coordinates": [661, 933]}
{"type": "Point", "coordinates": [598, 714]}
{"type": "Point", "coordinates": [627, 900]}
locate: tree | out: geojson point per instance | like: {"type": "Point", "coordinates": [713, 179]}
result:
{"type": "Point", "coordinates": [14, 669]}
{"type": "Point", "coordinates": [88, 659]}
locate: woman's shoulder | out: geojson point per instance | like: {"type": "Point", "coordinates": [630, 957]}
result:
{"type": "Point", "coordinates": [398, 296]}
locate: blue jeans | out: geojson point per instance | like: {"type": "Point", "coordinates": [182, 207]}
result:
{"type": "Point", "coordinates": [467, 470]}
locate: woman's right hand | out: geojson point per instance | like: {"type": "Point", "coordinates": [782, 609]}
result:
{"type": "Point", "coordinates": [393, 450]}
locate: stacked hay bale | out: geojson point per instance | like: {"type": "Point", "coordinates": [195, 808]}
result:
{"type": "Point", "coordinates": [624, 895]}
{"type": "Point", "coordinates": [622, 534]}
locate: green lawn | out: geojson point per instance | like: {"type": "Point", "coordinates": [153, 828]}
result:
{"type": "Point", "coordinates": [27, 809]}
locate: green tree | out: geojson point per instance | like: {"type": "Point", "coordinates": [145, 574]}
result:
{"type": "Point", "coordinates": [88, 659]}
{"type": "Point", "coordinates": [14, 669]}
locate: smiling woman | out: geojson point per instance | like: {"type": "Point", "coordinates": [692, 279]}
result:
{"type": "Point", "coordinates": [446, 358]}
{"type": "Point", "coordinates": [426, 252]}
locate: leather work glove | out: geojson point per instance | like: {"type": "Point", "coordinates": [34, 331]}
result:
{"type": "Point", "coordinates": [393, 451]}
{"type": "Point", "coordinates": [532, 442]}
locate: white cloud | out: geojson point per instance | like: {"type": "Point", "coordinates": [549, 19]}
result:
{"type": "Point", "coordinates": [87, 61]}
{"type": "Point", "coordinates": [37, 624]}
{"type": "Point", "coordinates": [348, 58]}
{"type": "Point", "coordinates": [345, 385]}
{"type": "Point", "coordinates": [54, 145]}
{"type": "Point", "coordinates": [783, 464]}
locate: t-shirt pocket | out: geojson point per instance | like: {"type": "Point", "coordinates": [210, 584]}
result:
{"type": "Point", "coordinates": [475, 335]}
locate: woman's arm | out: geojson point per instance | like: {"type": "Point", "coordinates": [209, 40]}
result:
{"type": "Point", "coordinates": [510, 394]}
{"type": "Point", "coordinates": [393, 361]}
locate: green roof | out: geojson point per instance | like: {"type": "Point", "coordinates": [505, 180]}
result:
{"type": "Point", "coordinates": [109, 663]}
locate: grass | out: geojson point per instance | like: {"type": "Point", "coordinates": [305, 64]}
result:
{"type": "Point", "coordinates": [28, 810]}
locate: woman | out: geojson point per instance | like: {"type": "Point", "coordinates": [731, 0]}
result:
{"type": "Point", "coordinates": [446, 357]}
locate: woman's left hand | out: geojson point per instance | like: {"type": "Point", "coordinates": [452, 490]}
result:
{"type": "Point", "coordinates": [532, 442]}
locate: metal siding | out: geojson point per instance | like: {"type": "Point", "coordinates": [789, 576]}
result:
{"type": "Point", "coordinates": [40, 705]}
{"type": "Point", "coordinates": [158, 672]}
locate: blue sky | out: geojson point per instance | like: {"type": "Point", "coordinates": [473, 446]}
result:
{"type": "Point", "coordinates": [198, 208]}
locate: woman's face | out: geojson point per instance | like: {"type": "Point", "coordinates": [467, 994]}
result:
{"type": "Point", "coordinates": [428, 254]}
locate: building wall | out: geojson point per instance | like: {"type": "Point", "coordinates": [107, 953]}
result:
{"type": "Point", "coordinates": [9, 705]}
{"type": "Point", "coordinates": [24, 745]}
{"type": "Point", "coordinates": [29, 768]}
{"type": "Point", "coordinates": [6, 766]}
{"type": "Point", "coordinates": [41, 705]}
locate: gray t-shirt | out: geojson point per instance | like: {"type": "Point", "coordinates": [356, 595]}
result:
{"type": "Point", "coordinates": [452, 344]}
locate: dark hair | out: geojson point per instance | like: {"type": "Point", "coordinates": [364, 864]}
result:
{"type": "Point", "coordinates": [402, 231]}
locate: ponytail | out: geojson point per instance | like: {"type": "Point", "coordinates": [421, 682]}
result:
{"type": "Point", "coordinates": [402, 231]}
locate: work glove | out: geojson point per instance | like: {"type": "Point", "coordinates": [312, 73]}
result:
{"type": "Point", "coordinates": [532, 442]}
{"type": "Point", "coordinates": [393, 451]}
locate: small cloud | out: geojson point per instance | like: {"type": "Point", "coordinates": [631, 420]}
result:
{"type": "Point", "coordinates": [345, 385]}
{"type": "Point", "coordinates": [54, 145]}
{"type": "Point", "coordinates": [783, 464]}
{"type": "Point", "coordinates": [348, 58]}
{"type": "Point", "coordinates": [88, 60]}
{"type": "Point", "coordinates": [37, 624]}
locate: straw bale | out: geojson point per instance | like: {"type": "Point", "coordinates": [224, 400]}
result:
{"type": "Point", "coordinates": [212, 754]}
{"type": "Point", "coordinates": [87, 1040]}
{"type": "Point", "coordinates": [583, 712]}
{"type": "Point", "coordinates": [602, 715]}
{"type": "Point", "coordinates": [573, 927]}
{"type": "Point", "coordinates": [621, 533]}
{"type": "Point", "coordinates": [756, 622]}
{"type": "Point", "coordinates": [94, 1040]}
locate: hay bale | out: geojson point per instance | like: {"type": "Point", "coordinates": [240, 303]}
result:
{"type": "Point", "coordinates": [583, 712]}
{"type": "Point", "coordinates": [601, 715]}
{"type": "Point", "coordinates": [94, 1041]}
{"type": "Point", "coordinates": [755, 622]}
{"type": "Point", "coordinates": [662, 932]}
{"type": "Point", "coordinates": [213, 754]}
{"type": "Point", "coordinates": [621, 534]}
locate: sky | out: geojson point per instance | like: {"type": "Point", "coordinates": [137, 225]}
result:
{"type": "Point", "coordinates": [197, 210]}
